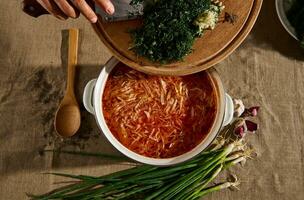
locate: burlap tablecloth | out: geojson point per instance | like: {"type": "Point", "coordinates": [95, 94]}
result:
{"type": "Point", "coordinates": [266, 70]}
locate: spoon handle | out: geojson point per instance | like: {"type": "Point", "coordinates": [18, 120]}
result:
{"type": "Point", "coordinates": [72, 59]}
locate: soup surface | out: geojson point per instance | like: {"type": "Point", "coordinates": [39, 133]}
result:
{"type": "Point", "coordinates": [158, 116]}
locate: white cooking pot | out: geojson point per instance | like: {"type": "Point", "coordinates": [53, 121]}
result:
{"type": "Point", "coordinates": [92, 100]}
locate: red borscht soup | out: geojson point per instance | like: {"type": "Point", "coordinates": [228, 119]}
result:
{"type": "Point", "coordinates": [159, 116]}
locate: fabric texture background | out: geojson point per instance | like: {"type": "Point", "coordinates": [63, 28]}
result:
{"type": "Point", "coordinates": [266, 70]}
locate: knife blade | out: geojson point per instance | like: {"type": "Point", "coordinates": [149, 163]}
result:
{"type": "Point", "coordinates": [123, 11]}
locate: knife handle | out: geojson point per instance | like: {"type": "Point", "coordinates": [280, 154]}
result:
{"type": "Point", "coordinates": [33, 8]}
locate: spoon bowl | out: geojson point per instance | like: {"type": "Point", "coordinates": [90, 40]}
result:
{"type": "Point", "coordinates": [68, 120]}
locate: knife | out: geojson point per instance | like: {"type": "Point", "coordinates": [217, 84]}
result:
{"type": "Point", "coordinates": [123, 10]}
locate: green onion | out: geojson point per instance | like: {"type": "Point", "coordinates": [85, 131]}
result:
{"type": "Point", "coordinates": [107, 156]}
{"type": "Point", "coordinates": [214, 188]}
{"type": "Point", "coordinates": [188, 180]}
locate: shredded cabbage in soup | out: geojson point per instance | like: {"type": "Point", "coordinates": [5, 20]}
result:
{"type": "Point", "coordinates": [159, 116]}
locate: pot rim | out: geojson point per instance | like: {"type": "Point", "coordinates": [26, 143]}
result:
{"type": "Point", "coordinates": [214, 130]}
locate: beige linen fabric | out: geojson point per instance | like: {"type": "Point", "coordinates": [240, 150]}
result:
{"type": "Point", "coordinates": [266, 70]}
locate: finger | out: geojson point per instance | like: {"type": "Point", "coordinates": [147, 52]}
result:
{"type": "Point", "coordinates": [74, 7]}
{"type": "Point", "coordinates": [52, 8]}
{"type": "Point", "coordinates": [106, 5]}
{"type": "Point", "coordinates": [66, 8]}
{"type": "Point", "coordinates": [86, 10]}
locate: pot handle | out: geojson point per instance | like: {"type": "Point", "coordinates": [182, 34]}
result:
{"type": "Point", "coordinates": [88, 96]}
{"type": "Point", "coordinates": [229, 110]}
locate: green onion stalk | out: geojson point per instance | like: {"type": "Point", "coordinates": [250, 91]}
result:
{"type": "Point", "coordinates": [189, 180]}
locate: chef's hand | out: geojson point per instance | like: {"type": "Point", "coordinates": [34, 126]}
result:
{"type": "Point", "coordinates": [63, 9]}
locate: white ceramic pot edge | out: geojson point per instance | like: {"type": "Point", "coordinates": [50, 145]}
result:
{"type": "Point", "coordinates": [92, 99]}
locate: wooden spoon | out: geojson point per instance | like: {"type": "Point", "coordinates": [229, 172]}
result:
{"type": "Point", "coordinates": [67, 119]}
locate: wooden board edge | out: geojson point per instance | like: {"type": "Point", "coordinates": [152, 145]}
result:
{"type": "Point", "coordinates": [203, 66]}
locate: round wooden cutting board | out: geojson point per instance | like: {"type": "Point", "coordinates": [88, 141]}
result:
{"type": "Point", "coordinates": [208, 50]}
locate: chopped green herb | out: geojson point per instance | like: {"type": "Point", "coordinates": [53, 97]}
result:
{"type": "Point", "coordinates": [168, 32]}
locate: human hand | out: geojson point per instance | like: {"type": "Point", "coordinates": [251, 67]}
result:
{"type": "Point", "coordinates": [64, 9]}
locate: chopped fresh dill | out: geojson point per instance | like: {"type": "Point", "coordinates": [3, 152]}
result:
{"type": "Point", "coordinates": [168, 30]}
